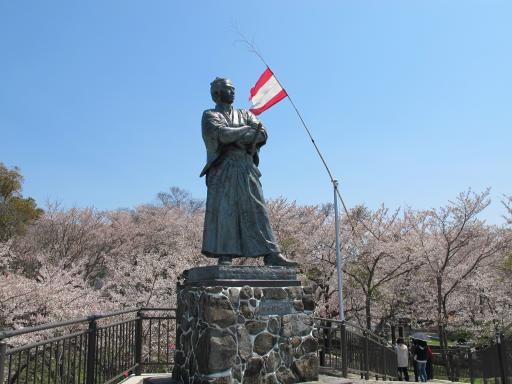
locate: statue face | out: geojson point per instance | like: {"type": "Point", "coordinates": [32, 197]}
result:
{"type": "Point", "coordinates": [227, 93]}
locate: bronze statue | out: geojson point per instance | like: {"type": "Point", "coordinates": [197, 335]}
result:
{"type": "Point", "coordinates": [236, 222]}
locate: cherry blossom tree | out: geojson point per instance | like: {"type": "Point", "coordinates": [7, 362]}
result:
{"type": "Point", "coordinates": [455, 245]}
{"type": "Point", "coordinates": [152, 246]}
{"type": "Point", "coordinates": [443, 265]}
{"type": "Point", "coordinates": [379, 254]}
{"type": "Point", "coordinates": [306, 234]}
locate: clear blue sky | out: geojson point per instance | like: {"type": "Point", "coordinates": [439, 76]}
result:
{"type": "Point", "coordinates": [410, 101]}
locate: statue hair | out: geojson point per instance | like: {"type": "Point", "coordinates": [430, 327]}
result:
{"type": "Point", "coordinates": [215, 86]}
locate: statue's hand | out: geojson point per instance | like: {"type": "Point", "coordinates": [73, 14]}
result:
{"type": "Point", "coordinates": [261, 134]}
{"type": "Point", "coordinates": [248, 136]}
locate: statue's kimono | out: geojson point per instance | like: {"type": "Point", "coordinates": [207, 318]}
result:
{"type": "Point", "coordinates": [236, 221]}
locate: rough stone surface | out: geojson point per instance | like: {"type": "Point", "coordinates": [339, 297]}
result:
{"type": "Point", "coordinates": [253, 372]}
{"type": "Point", "coordinates": [295, 325]}
{"type": "Point", "coordinates": [237, 373]}
{"type": "Point", "coordinates": [218, 311]}
{"type": "Point", "coordinates": [264, 342]}
{"type": "Point", "coordinates": [242, 334]}
{"type": "Point", "coordinates": [234, 293]}
{"type": "Point", "coordinates": [309, 344]}
{"type": "Point", "coordinates": [216, 351]}
{"type": "Point", "coordinates": [286, 376]}
{"type": "Point", "coordinates": [254, 327]}
{"type": "Point", "coordinates": [246, 292]}
{"type": "Point", "coordinates": [270, 379]}
{"type": "Point", "coordinates": [272, 361]}
{"type": "Point", "coordinates": [274, 293]}
{"type": "Point", "coordinates": [295, 341]}
{"type": "Point", "coordinates": [286, 352]}
{"type": "Point", "coordinates": [258, 293]}
{"type": "Point", "coordinates": [244, 342]}
{"type": "Point", "coordinates": [273, 325]}
{"type": "Point", "coordinates": [246, 310]}
{"type": "Point", "coordinates": [306, 368]}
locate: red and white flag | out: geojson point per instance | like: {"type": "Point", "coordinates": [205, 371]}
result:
{"type": "Point", "coordinates": [266, 92]}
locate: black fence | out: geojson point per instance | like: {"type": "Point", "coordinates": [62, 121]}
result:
{"type": "Point", "coordinates": [491, 364]}
{"type": "Point", "coordinates": [349, 348]}
{"type": "Point", "coordinates": [97, 349]}
{"type": "Point", "coordinates": [103, 349]}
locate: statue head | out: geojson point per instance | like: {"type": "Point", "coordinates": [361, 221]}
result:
{"type": "Point", "coordinates": [222, 91]}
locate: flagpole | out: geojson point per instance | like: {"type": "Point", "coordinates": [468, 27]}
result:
{"type": "Point", "coordinates": [336, 195]}
{"type": "Point", "coordinates": [338, 255]}
{"type": "Point", "coordinates": [334, 182]}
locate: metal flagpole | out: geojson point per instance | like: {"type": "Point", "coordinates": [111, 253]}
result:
{"type": "Point", "coordinates": [338, 253]}
{"type": "Point", "coordinates": [334, 182]}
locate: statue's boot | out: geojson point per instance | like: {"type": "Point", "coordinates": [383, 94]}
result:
{"type": "Point", "coordinates": [278, 260]}
{"type": "Point", "coordinates": [225, 260]}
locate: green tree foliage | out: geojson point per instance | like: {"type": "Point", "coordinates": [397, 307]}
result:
{"type": "Point", "coordinates": [16, 211]}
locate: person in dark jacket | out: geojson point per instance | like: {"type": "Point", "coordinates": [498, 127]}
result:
{"type": "Point", "coordinates": [414, 363]}
{"type": "Point", "coordinates": [420, 356]}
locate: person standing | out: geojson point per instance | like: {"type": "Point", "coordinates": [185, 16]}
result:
{"type": "Point", "coordinates": [402, 357]}
{"type": "Point", "coordinates": [430, 362]}
{"type": "Point", "coordinates": [420, 355]}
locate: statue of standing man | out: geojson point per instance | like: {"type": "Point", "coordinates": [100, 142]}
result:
{"type": "Point", "coordinates": [236, 222]}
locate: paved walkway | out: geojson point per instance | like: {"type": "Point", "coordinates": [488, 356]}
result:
{"type": "Point", "coordinates": [356, 379]}
{"type": "Point", "coordinates": [323, 379]}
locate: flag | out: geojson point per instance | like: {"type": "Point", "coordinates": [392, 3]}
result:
{"type": "Point", "coordinates": [266, 92]}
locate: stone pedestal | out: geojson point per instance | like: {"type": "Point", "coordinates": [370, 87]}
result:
{"type": "Point", "coordinates": [246, 325]}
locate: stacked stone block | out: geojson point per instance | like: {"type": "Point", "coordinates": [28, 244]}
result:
{"type": "Point", "coordinates": [245, 335]}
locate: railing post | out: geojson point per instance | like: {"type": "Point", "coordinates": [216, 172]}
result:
{"type": "Point", "coordinates": [344, 357]}
{"type": "Point", "coordinates": [321, 353]}
{"type": "Point", "coordinates": [138, 343]}
{"type": "Point", "coordinates": [366, 357]}
{"type": "Point", "coordinates": [455, 365]}
{"type": "Point", "coordinates": [327, 345]}
{"type": "Point", "coordinates": [470, 366]}
{"type": "Point", "coordinates": [3, 353]}
{"type": "Point", "coordinates": [499, 346]}
{"type": "Point", "coordinates": [91, 351]}
{"type": "Point", "coordinates": [384, 356]}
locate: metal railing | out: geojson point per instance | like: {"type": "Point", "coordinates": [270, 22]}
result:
{"type": "Point", "coordinates": [103, 349]}
{"type": "Point", "coordinates": [489, 364]}
{"type": "Point", "coordinates": [348, 348]}
{"type": "Point", "coordinates": [96, 349]}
